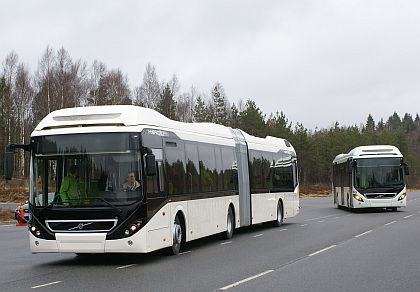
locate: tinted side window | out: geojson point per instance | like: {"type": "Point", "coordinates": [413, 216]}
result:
{"type": "Point", "coordinates": [193, 175]}
{"type": "Point", "coordinates": [219, 173]}
{"type": "Point", "coordinates": [256, 169]}
{"type": "Point", "coordinates": [175, 166]}
{"type": "Point", "coordinates": [230, 173]}
{"type": "Point", "coordinates": [207, 167]}
{"type": "Point", "coordinates": [267, 158]}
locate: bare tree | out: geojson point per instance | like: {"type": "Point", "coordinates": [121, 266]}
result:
{"type": "Point", "coordinates": [98, 71]}
{"type": "Point", "coordinates": [23, 95]}
{"type": "Point", "coordinates": [9, 69]}
{"type": "Point", "coordinates": [44, 78]}
{"type": "Point", "coordinates": [79, 88]}
{"type": "Point", "coordinates": [186, 104]}
{"type": "Point", "coordinates": [148, 94]}
{"type": "Point", "coordinates": [174, 85]}
{"type": "Point", "coordinates": [114, 89]}
{"type": "Point", "coordinates": [62, 74]}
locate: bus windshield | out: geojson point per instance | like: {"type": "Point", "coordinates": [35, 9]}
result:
{"type": "Point", "coordinates": [86, 169]}
{"type": "Point", "coordinates": [378, 173]}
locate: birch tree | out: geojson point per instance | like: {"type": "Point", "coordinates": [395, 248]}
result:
{"type": "Point", "coordinates": [148, 93]}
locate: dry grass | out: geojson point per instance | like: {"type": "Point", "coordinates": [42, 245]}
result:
{"type": "Point", "coordinates": [7, 215]}
{"type": "Point", "coordinates": [315, 191]}
{"type": "Point", "coordinates": [14, 191]}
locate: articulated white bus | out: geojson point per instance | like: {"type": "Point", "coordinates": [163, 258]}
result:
{"type": "Point", "coordinates": [192, 180]}
{"type": "Point", "coordinates": [370, 177]}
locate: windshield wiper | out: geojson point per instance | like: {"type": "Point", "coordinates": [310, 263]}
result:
{"type": "Point", "coordinates": [109, 204]}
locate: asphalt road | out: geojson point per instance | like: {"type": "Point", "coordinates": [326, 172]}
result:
{"type": "Point", "coordinates": [322, 249]}
{"type": "Point", "coordinates": [7, 206]}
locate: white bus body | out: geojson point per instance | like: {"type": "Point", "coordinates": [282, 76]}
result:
{"type": "Point", "coordinates": [370, 177]}
{"type": "Point", "coordinates": [197, 179]}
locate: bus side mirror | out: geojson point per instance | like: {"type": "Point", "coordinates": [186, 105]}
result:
{"type": "Point", "coordinates": [8, 164]}
{"type": "Point", "coordinates": [150, 162]}
{"type": "Point", "coordinates": [406, 169]}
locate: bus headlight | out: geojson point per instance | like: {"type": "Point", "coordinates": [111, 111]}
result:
{"type": "Point", "coordinates": [358, 198]}
{"type": "Point", "coordinates": [34, 230]}
{"type": "Point", "coordinates": [133, 228]}
{"type": "Point", "coordinates": [401, 197]}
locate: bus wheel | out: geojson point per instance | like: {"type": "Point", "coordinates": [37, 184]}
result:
{"type": "Point", "coordinates": [177, 236]}
{"type": "Point", "coordinates": [279, 220]}
{"type": "Point", "coordinates": [230, 224]}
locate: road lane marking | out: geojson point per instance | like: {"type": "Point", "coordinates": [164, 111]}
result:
{"type": "Point", "coordinates": [364, 233]}
{"type": "Point", "coordinates": [390, 223]}
{"type": "Point", "coordinates": [44, 285]}
{"type": "Point", "coordinates": [408, 216]}
{"type": "Point", "coordinates": [321, 217]}
{"type": "Point", "coordinates": [322, 250]}
{"type": "Point", "coordinates": [227, 242]}
{"type": "Point", "coordinates": [185, 252]}
{"type": "Point", "coordinates": [284, 229]}
{"type": "Point", "coordinates": [336, 217]}
{"type": "Point", "coordinates": [303, 225]}
{"type": "Point", "coordinates": [258, 235]}
{"type": "Point", "coordinates": [246, 280]}
{"type": "Point", "coordinates": [321, 221]}
{"type": "Point", "coordinates": [126, 266]}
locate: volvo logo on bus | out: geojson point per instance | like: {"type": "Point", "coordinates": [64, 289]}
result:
{"type": "Point", "coordinates": [80, 226]}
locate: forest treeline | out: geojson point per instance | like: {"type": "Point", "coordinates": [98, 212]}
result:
{"type": "Point", "coordinates": [58, 82]}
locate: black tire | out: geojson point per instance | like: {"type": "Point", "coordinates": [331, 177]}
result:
{"type": "Point", "coordinates": [279, 220]}
{"type": "Point", "coordinates": [178, 236]}
{"type": "Point", "coordinates": [230, 224]}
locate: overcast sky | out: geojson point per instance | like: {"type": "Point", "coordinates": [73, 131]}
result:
{"type": "Point", "coordinates": [317, 61]}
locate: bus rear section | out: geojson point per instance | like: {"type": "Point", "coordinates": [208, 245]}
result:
{"type": "Point", "coordinates": [370, 177]}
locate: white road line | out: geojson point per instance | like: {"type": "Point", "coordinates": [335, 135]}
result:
{"type": "Point", "coordinates": [364, 233]}
{"type": "Point", "coordinates": [258, 235]}
{"type": "Point", "coordinates": [284, 229]}
{"type": "Point", "coordinates": [303, 225]}
{"type": "Point", "coordinates": [227, 242]}
{"type": "Point", "coordinates": [336, 217]}
{"type": "Point", "coordinates": [322, 250]}
{"type": "Point", "coordinates": [44, 285]}
{"type": "Point", "coordinates": [321, 221]}
{"type": "Point", "coordinates": [321, 217]}
{"type": "Point", "coordinates": [185, 252]}
{"type": "Point", "coordinates": [408, 216]}
{"type": "Point", "coordinates": [123, 267]}
{"type": "Point", "coordinates": [390, 223]}
{"type": "Point", "coordinates": [246, 280]}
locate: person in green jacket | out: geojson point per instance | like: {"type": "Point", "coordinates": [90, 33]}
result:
{"type": "Point", "coordinates": [69, 190]}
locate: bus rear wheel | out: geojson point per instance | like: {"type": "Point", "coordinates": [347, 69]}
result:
{"type": "Point", "coordinates": [178, 235]}
{"type": "Point", "coordinates": [279, 220]}
{"type": "Point", "coordinates": [230, 224]}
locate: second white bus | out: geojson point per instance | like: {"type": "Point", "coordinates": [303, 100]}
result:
{"type": "Point", "coordinates": [370, 177]}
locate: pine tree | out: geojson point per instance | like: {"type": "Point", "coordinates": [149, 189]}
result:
{"type": "Point", "coordinates": [370, 123]}
{"type": "Point", "coordinates": [200, 110]}
{"type": "Point", "coordinates": [221, 115]}
{"type": "Point", "coordinates": [253, 120]}
{"type": "Point", "coordinates": [167, 104]}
